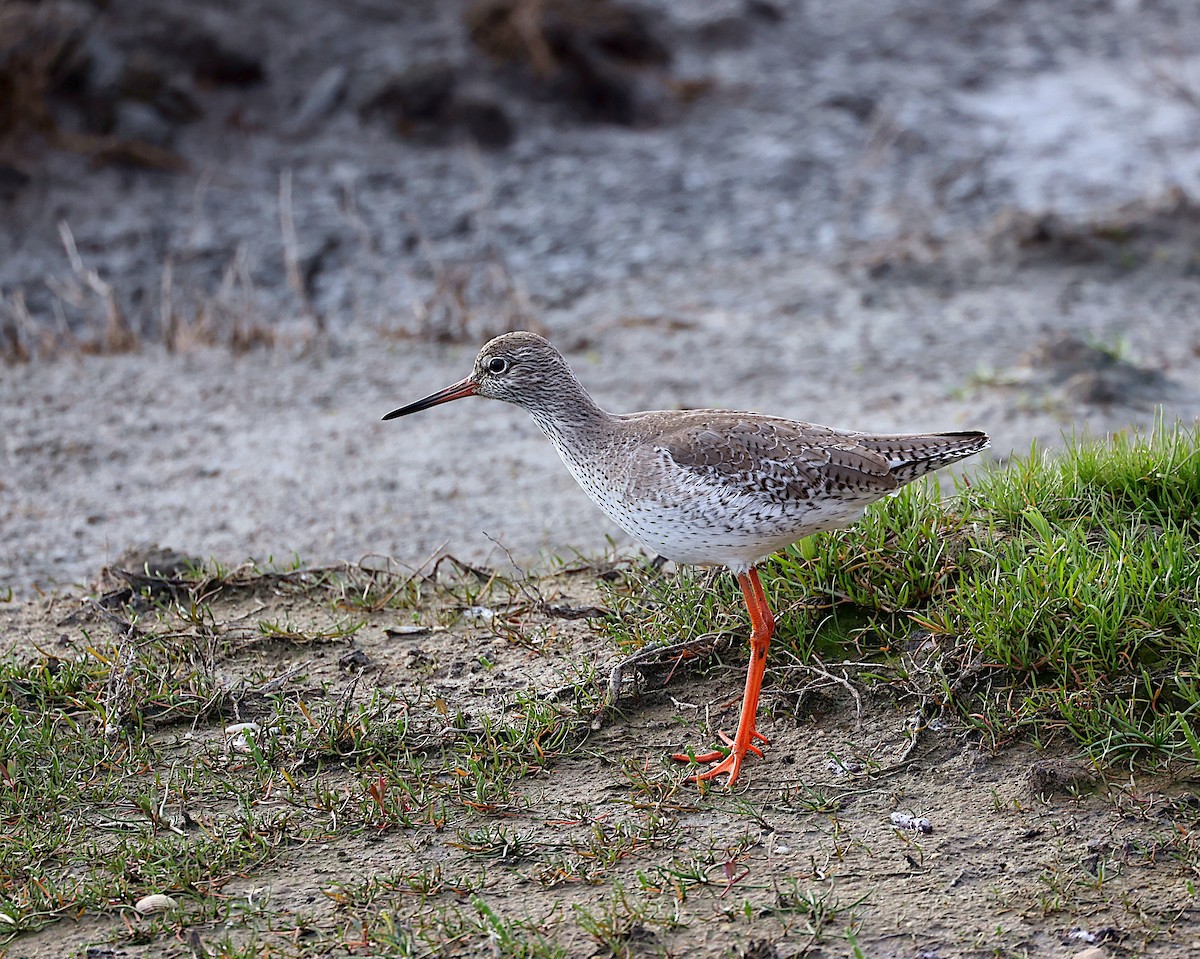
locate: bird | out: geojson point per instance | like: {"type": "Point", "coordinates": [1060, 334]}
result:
{"type": "Point", "coordinates": [705, 486]}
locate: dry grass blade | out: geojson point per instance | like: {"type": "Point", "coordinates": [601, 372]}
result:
{"type": "Point", "coordinates": [291, 252]}
{"type": "Point", "coordinates": [117, 336]}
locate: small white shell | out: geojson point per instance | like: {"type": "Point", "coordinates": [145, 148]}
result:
{"type": "Point", "coordinates": [155, 902]}
{"type": "Point", "coordinates": [845, 767]}
{"type": "Point", "coordinates": [915, 823]}
{"type": "Point", "coordinates": [480, 614]}
{"type": "Point", "coordinates": [407, 630]}
{"type": "Point", "coordinates": [241, 736]}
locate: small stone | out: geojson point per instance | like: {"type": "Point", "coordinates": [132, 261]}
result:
{"type": "Point", "coordinates": [355, 661]}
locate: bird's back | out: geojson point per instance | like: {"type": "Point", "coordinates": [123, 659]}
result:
{"type": "Point", "coordinates": [781, 460]}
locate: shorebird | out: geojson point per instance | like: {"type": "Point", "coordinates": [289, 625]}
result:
{"type": "Point", "coordinates": [707, 487]}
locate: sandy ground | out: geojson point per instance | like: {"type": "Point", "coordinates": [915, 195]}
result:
{"type": "Point", "coordinates": [845, 228]}
{"type": "Point", "coordinates": [273, 455]}
{"type": "Point", "coordinates": [765, 247]}
{"type": "Point", "coordinates": [940, 847]}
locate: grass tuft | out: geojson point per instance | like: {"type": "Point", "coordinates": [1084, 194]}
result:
{"type": "Point", "coordinates": [1057, 596]}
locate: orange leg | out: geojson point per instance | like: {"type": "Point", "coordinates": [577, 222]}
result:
{"type": "Point", "coordinates": [762, 627]}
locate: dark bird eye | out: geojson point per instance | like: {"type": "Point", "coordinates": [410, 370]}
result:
{"type": "Point", "coordinates": [497, 364]}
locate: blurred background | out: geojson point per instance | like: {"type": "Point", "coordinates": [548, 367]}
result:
{"type": "Point", "coordinates": [233, 235]}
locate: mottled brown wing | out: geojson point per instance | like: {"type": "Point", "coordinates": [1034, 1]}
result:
{"type": "Point", "coordinates": [779, 458]}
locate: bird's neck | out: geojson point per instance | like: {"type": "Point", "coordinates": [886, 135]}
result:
{"type": "Point", "coordinates": [571, 418]}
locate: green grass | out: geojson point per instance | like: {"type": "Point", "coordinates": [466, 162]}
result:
{"type": "Point", "coordinates": [1057, 597]}
{"type": "Point", "coordinates": [64, 766]}
{"type": "Point", "coordinates": [116, 781]}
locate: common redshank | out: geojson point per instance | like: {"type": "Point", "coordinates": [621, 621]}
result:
{"type": "Point", "coordinates": [708, 487]}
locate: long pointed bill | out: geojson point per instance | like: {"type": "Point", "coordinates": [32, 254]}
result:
{"type": "Point", "coordinates": [455, 391]}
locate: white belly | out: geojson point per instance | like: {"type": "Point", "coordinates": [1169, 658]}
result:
{"type": "Point", "coordinates": [704, 527]}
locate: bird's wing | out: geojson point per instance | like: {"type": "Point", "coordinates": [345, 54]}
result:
{"type": "Point", "coordinates": [780, 459]}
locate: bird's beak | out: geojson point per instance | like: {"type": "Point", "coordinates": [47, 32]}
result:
{"type": "Point", "coordinates": [455, 391]}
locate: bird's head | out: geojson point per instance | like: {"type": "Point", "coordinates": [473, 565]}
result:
{"type": "Point", "coordinates": [521, 368]}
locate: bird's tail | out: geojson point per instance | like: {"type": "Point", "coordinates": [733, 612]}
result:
{"type": "Point", "coordinates": [912, 455]}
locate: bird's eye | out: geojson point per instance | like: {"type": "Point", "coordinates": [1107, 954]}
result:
{"type": "Point", "coordinates": [497, 364]}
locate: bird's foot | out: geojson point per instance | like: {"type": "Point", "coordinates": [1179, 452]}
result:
{"type": "Point", "coordinates": [728, 761]}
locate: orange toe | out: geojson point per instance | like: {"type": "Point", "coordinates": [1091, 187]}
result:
{"type": "Point", "coordinates": [715, 756]}
{"type": "Point", "coordinates": [730, 766]}
{"type": "Point", "coordinates": [728, 762]}
{"type": "Point", "coordinates": [750, 747]}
